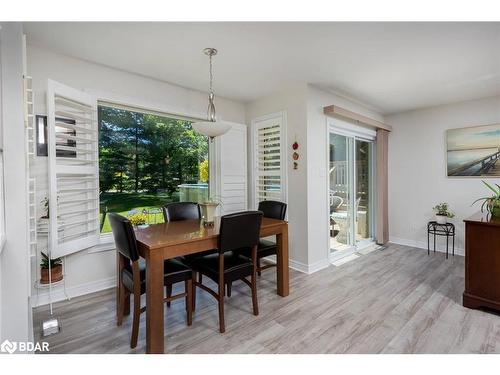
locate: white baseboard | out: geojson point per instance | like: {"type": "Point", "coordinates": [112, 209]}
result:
{"type": "Point", "coordinates": [423, 245]}
{"type": "Point", "coordinates": [302, 267]}
{"type": "Point", "coordinates": [59, 294]}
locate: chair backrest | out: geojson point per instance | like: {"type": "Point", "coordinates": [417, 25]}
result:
{"type": "Point", "coordinates": [124, 236]}
{"type": "Point", "coordinates": [181, 211]}
{"type": "Point", "coordinates": [335, 201]}
{"type": "Point", "coordinates": [239, 230]}
{"type": "Point", "coordinates": [273, 209]}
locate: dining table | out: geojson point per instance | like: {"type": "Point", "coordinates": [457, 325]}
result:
{"type": "Point", "coordinates": [158, 242]}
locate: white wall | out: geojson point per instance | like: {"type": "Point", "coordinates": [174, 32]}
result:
{"type": "Point", "coordinates": [417, 168]}
{"type": "Point", "coordinates": [292, 100]}
{"type": "Point", "coordinates": [317, 175]}
{"type": "Point", "coordinates": [307, 186]}
{"type": "Point", "coordinates": [14, 272]}
{"type": "Point", "coordinates": [86, 271]}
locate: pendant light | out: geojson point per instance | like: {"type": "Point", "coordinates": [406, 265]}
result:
{"type": "Point", "coordinates": [211, 128]}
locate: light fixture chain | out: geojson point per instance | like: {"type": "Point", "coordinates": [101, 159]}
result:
{"type": "Point", "coordinates": [211, 74]}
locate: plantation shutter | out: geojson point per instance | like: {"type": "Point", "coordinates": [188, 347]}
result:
{"type": "Point", "coordinates": [231, 167]}
{"type": "Point", "coordinates": [268, 159]}
{"type": "Point", "coordinates": [73, 170]}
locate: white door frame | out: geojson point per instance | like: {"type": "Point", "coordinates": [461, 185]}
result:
{"type": "Point", "coordinates": [354, 132]}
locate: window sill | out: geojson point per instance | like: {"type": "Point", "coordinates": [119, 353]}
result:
{"type": "Point", "coordinates": [106, 244]}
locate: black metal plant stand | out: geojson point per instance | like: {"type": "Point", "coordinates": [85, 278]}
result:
{"type": "Point", "coordinates": [436, 229]}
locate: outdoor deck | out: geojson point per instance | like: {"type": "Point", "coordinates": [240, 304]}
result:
{"type": "Point", "coordinates": [489, 167]}
{"type": "Point", "coordinates": [494, 169]}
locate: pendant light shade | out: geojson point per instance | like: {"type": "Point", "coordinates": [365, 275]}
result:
{"type": "Point", "coordinates": [211, 128]}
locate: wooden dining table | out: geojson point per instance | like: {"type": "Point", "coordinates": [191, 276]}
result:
{"type": "Point", "coordinates": [170, 240]}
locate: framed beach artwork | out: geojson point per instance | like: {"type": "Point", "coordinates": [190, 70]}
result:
{"type": "Point", "coordinates": [473, 151]}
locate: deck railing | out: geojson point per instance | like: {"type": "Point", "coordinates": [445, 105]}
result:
{"type": "Point", "coordinates": [486, 163]}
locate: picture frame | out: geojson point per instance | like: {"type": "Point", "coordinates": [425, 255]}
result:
{"type": "Point", "coordinates": [42, 137]}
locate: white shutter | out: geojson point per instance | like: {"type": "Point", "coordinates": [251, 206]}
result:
{"type": "Point", "coordinates": [74, 175]}
{"type": "Point", "coordinates": [231, 169]}
{"type": "Point", "coordinates": [269, 162]}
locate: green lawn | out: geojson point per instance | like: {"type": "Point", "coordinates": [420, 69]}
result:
{"type": "Point", "coordinates": [122, 203]}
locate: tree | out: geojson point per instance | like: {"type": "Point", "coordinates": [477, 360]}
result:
{"type": "Point", "coordinates": [204, 171]}
{"type": "Point", "coordinates": [147, 152]}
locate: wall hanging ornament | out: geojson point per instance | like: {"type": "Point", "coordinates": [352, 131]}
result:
{"type": "Point", "coordinates": [295, 155]}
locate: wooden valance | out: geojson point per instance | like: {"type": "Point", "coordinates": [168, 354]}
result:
{"type": "Point", "coordinates": [333, 110]}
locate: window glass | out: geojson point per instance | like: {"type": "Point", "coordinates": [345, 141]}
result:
{"type": "Point", "coordinates": [147, 160]}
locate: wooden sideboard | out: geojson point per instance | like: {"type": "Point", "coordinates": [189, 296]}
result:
{"type": "Point", "coordinates": [482, 262]}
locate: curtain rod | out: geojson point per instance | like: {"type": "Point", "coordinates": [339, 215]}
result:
{"type": "Point", "coordinates": [333, 110]}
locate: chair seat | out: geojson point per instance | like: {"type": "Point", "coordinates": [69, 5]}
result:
{"type": "Point", "coordinates": [236, 266]}
{"type": "Point", "coordinates": [175, 271]}
{"type": "Point", "coordinates": [187, 259]}
{"type": "Point", "coordinates": [265, 249]}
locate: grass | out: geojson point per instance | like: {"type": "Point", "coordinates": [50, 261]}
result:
{"type": "Point", "coordinates": [122, 203]}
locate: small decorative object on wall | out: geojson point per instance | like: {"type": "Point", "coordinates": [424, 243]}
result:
{"type": "Point", "coordinates": [442, 213]}
{"type": "Point", "coordinates": [473, 151]}
{"type": "Point", "coordinates": [55, 266]}
{"type": "Point", "coordinates": [62, 137]}
{"type": "Point", "coordinates": [492, 203]}
{"type": "Point", "coordinates": [295, 155]}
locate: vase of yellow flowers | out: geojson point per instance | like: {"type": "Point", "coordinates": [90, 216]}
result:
{"type": "Point", "coordinates": [138, 219]}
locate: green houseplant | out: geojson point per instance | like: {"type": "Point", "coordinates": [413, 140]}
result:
{"type": "Point", "coordinates": [492, 203]}
{"type": "Point", "coordinates": [55, 266]}
{"type": "Point", "coordinates": [442, 212]}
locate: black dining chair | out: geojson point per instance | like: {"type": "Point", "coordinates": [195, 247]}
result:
{"type": "Point", "coordinates": [273, 210]}
{"type": "Point", "coordinates": [238, 232]}
{"type": "Point", "coordinates": [184, 211]}
{"type": "Point", "coordinates": [181, 211]}
{"type": "Point", "coordinates": [132, 274]}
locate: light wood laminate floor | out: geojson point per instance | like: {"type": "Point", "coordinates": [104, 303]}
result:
{"type": "Point", "coordinates": [397, 300]}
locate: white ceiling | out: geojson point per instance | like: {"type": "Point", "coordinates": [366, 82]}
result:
{"type": "Point", "coordinates": [391, 66]}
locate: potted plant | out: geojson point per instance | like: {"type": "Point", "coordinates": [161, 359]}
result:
{"type": "Point", "coordinates": [138, 219]}
{"type": "Point", "coordinates": [442, 213]}
{"type": "Point", "coordinates": [55, 266]}
{"type": "Point", "coordinates": [208, 210]}
{"type": "Point", "coordinates": [492, 203]}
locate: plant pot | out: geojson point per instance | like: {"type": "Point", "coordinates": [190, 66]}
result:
{"type": "Point", "coordinates": [495, 211]}
{"type": "Point", "coordinates": [441, 219]}
{"type": "Point", "coordinates": [208, 210]}
{"type": "Point", "coordinates": [55, 273]}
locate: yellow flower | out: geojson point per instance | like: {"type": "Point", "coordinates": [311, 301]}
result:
{"type": "Point", "coordinates": [138, 219]}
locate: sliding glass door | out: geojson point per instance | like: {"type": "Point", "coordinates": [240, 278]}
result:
{"type": "Point", "coordinates": [350, 192]}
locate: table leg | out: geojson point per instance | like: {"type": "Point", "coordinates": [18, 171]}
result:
{"type": "Point", "coordinates": [154, 302]}
{"type": "Point", "coordinates": [453, 245]}
{"type": "Point", "coordinates": [282, 262]}
{"type": "Point", "coordinates": [434, 242]}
